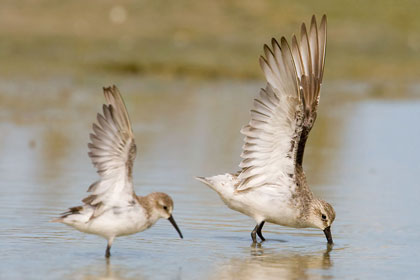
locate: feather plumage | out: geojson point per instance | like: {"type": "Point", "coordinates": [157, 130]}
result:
{"type": "Point", "coordinates": [285, 110]}
{"type": "Point", "coordinates": [112, 150]}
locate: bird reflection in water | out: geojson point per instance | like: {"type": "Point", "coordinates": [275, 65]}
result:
{"type": "Point", "coordinates": [106, 270]}
{"type": "Point", "coordinates": [265, 263]}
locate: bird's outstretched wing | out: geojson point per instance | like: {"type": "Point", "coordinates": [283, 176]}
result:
{"type": "Point", "coordinates": [285, 111]}
{"type": "Point", "coordinates": [112, 150]}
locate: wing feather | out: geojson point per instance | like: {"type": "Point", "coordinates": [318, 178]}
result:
{"type": "Point", "coordinates": [112, 150]}
{"type": "Point", "coordinates": [312, 47]}
{"type": "Point", "coordinates": [285, 110]}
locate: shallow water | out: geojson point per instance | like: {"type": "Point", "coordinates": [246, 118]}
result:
{"type": "Point", "coordinates": [362, 157]}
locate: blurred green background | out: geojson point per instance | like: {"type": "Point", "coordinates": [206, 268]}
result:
{"type": "Point", "coordinates": [376, 41]}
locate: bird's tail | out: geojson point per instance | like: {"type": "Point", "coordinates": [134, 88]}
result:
{"type": "Point", "coordinates": [71, 211]}
{"type": "Point", "coordinates": [220, 183]}
{"type": "Point", "coordinates": [204, 180]}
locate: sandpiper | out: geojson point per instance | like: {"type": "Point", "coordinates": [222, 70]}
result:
{"type": "Point", "coordinates": [272, 187]}
{"type": "Point", "coordinates": [113, 209]}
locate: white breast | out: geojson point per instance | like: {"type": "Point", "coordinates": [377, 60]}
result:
{"type": "Point", "coordinates": [265, 203]}
{"type": "Point", "coordinates": [116, 221]}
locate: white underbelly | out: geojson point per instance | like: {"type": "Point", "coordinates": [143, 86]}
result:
{"type": "Point", "coordinates": [265, 205]}
{"type": "Point", "coordinates": [116, 221]}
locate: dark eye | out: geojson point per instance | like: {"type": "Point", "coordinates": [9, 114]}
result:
{"type": "Point", "coordinates": [164, 207]}
{"type": "Point", "coordinates": [324, 217]}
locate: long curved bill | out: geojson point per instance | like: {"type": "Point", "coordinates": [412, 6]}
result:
{"type": "Point", "coordinates": [171, 219]}
{"type": "Point", "coordinates": [327, 232]}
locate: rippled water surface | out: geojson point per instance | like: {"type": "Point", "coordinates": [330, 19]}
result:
{"type": "Point", "coordinates": [362, 156]}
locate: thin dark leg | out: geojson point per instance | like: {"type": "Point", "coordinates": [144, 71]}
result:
{"type": "Point", "coordinates": [108, 251]}
{"type": "Point", "coordinates": [254, 234]}
{"type": "Point", "coordinates": [108, 247]}
{"type": "Point", "coordinates": [259, 230]}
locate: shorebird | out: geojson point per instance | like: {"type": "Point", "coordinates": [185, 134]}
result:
{"type": "Point", "coordinates": [271, 186]}
{"type": "Point", "coordinates": [113, 209]}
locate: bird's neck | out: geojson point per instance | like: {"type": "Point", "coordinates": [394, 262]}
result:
{"type": "Point", "coordinates": [146, 203]}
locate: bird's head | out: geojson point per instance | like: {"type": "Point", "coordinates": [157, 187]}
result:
{"type": "Point", "coordinates": [163, 205]}
{"type": "Point", "coordinates": [322, 215]}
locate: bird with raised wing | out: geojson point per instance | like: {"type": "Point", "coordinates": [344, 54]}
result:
{"type": "Point", "coordinates": [271, 185]}
{"type": "Point", "coordinates": [113, 209]}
